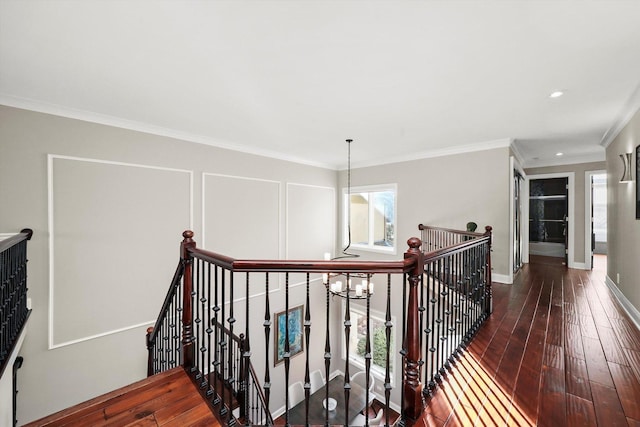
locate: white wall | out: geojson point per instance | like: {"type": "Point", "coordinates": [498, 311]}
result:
{"type": "Point", "coordinates": [108, 207]}
{"type": "Point", "coordinates": [449, 191]}
{"type": "Point", "coordinates": [623, 229]}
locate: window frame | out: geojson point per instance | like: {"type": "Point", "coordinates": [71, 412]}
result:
{"type": "Point", "coordinates": [370, 246]}
{"type": "Point", "coordinates": [355, 359]}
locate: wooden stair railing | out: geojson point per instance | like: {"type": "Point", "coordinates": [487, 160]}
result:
{"type": "Point", "coordinates": [445, 296]}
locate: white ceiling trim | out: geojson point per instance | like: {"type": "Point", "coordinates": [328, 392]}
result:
{"type": "Point", "coordinates": [565, 160]}
{"type": "Point", "coordinates": [103, 119]}
{"type": "Point", "coordinates": [631, 107]}
{"type": "Point", "coordinates": [450, 151]}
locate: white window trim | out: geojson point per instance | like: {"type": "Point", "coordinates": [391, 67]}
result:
{"type": "Point", "coordinates": [345, 219]}
{"type": "Point", "coordinates": [355, 360]}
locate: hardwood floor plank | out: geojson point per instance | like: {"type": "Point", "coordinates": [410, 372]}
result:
{"type": "Point", "coordinates": [553, 406]}
{"type": "Point", "coordinates": [166, 396]}
{"type": "Point", "coordinates": [627, 334]}
{"type": "Point", "coordinates": [573, 341]}
{"type": "Point", "coordinates": [611, 346]}
{"type": "Point", "coordinates": [580, 412]}
{"type": "Point", "coordinates": [628, 389]}
{"type": "Point", "coordinates": [577, 378]}
{"type": "Point", "coordinates": [597, 366]}
{"type": "Point", "coordinates": [553, 356]}
{"type": "Point", "coordinates": [607, 405]}
{"type": "Point", "coordinates": [633, 357]}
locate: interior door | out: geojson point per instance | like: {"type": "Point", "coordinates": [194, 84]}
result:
{"type": "Point", "coordinates": [566, 223]}
{"type": "Point", "coordinates": [593, 232]}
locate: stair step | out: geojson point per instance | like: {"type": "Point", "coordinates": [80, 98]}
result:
{"type": "Point", "coordinates": [167, 399]}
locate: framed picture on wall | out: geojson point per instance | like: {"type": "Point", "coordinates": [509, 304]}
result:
{"type": "Point", "coordinates": [637, 182]}
{"type": "Point", "coordinates": [296, 343]}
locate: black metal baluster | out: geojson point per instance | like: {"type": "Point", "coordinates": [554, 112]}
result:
{"type": "Point", "coordinates": [347, 334]}
{"type": "Point", "coordinates": [246, 355]}
{"type": "Point", "coordinates": [197, 266]}
{"type": "Point", "coordinates": [307, 333]}
{"type": "Point", "coordinates": [223, 346]}
{"type": "Point", "coordinates": [367, 354]}
{"type": "Point", "coordinates": [232, 321]}
{"type": "Point", "coordinates": [286, 346]}
{"type": "Point", "coordinates": [216, 336]}
{"type": "Point", "coordinates": [387, 370]}
{"type": "Point", "coordinates": [210, 392]}
{"type": "Point", "coordinates": [267, 334]}
{"type": "Point", "coordinates": [433, 291]}
{"type": "Point", "coordinates": [327, 354]}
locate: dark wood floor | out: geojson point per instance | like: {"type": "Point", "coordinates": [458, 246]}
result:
{"type": "Point", "coordinates": [557, 351]}
{"type": "Point", "coordinates": [167, 399]}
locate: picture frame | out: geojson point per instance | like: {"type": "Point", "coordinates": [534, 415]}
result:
{"type": "Point", "coordinates": [296, 343]}
{"type": "Point", "coordinates": [637, 182]}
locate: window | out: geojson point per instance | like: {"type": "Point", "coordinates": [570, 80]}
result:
{"type": "Point", "coordinates": [358, 336]}
{"type": "Point", "coordinates": [370, 218]}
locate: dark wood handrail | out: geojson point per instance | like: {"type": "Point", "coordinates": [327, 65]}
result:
{"type": "Point", "coordinates": [227, 332]}
{"type": "Point", "coordinates": [25, 234]}
{"type": "Point", "coordinates": [459, 247]}
{"type": "Point", "coordinates": [451, 230]}
{"type": "Point", "coordinates": [303, 266]}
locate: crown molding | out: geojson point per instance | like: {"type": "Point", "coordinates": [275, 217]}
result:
{"type": "Point", "coordinates": [449, 151]}
{"type": "Point", "coordinates": [565, 160]}
{"type": "Point", "coordinates": [118, 122]}
{"type": "Point", "coordinates": [630, 108]}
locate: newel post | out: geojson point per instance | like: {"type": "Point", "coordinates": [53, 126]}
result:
{"type": "Point", "coordinates": [412, 404]}
{"type": "Point", "coordinates": [488, 291]}
{"type": "Point", "coordinates": [188, 350]}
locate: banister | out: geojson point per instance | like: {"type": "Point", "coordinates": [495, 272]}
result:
{"type": "Point", "coordinates": [304, 266]}
{"type": "Point", "coordinates": [458, 266]}
{"type": "Point", "coordinates": [25, 234]}
{"type": "Point", "coordinates": [450, 230]}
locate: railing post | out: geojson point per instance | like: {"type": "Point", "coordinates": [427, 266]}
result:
{"type": "Point", "coordinates": [412, 405]}
{"type": "Point", "coordinates": [488, 291]}
{"type": "Point", "coordinates": [188, 349]}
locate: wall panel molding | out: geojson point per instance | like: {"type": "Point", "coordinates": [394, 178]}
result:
{"type": "Point", "coordinates": [101, 213]}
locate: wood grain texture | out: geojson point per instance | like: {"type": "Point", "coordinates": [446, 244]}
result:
{"type": "Point", "coordinates": [558, 350]}
{"type": "Point", "coordinates": [165, 399]}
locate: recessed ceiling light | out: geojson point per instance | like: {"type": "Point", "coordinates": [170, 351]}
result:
{"type": "Point", "coordinates": [559, 154]}
{"type": "Point", "coordinates": [556, 94]}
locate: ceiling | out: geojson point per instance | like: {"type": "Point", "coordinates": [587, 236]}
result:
{"type": "Point", "coordinates": [294, 79]}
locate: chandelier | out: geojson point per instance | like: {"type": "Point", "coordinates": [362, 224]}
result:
{"type": "Point", "coordinates": [349, 285]}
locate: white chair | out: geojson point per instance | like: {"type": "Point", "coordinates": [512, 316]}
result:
{"type": "Point", "coordinates": [296, 394]}
{"type": "Point", "coordinates": [317, 380]}
{"type": "Point", "coordinates": [361, 420]}
{"type": "Point", "coordinates": [360, 379]}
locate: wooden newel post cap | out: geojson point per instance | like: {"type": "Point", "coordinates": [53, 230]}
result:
{"type": "Point", "coordinates": [149, 330]}
{"type": "Point", "coordinates": [488, 228]}
{"type": "Point", "coordinates": [414, 243]}
{"type": "Point", "coordinates": [187, 234]}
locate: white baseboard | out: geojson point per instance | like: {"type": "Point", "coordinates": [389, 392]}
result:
{"type": "Point", "coordinates": [578, 265]}
{"type": "Point", "coordinates": [502, 278]}
{"type": "Point", "coordinates": [631, 310]}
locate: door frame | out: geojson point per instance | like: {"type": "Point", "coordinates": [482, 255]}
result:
{"type": "Point", "coordinates": [514, 165]}
{"type": "Point", "coordinates": [570, 214]}
{"type": "Point", "coordinates": [587, 215]}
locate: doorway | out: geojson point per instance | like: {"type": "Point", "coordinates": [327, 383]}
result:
{"type": "Point", "coordinates": [549, 217]}
{"type": "Point", "coordinates": [596, 216]}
